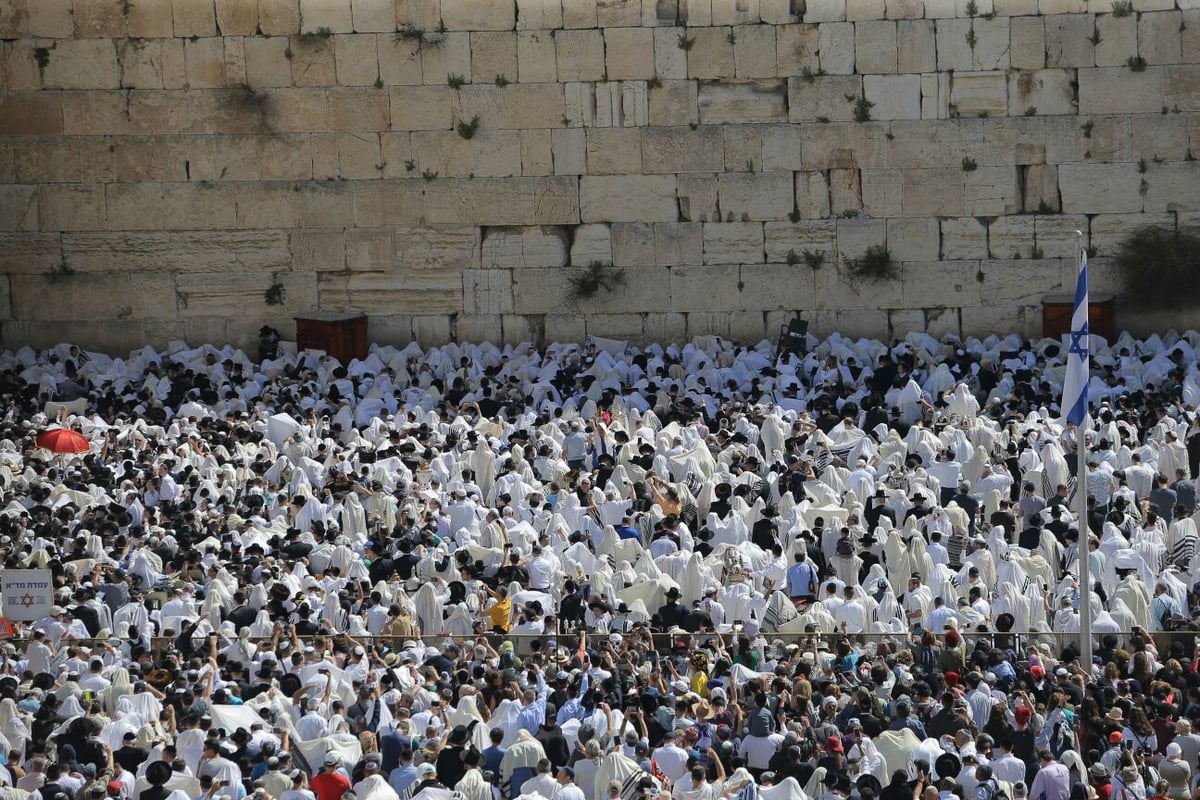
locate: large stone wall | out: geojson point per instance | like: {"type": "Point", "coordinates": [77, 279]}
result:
{"type": "Point", "coordinates": [195, 168]}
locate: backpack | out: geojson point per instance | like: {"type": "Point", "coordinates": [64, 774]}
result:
{"type": "Point", "coordinates": [1062, 739]}
{"type": "Point", "coordinates": [990, 790]}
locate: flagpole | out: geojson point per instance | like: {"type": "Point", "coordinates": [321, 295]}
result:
{"type": "Point", "coordinates": [1081, 496]}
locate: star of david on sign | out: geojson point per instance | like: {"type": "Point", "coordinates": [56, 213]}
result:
{"type": "Point", "coordinates": [27, 600]}
{"type": "Point", "coordinates": [1079, 342]}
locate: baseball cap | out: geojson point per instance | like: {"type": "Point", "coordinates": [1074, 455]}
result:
{"type": "Point", "coordinates": [428, 769]}
{"type": "Point", "coordinates": [332, 758]}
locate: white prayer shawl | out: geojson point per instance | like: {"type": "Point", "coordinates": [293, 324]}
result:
{"type": "Point", "coordinates": [1181, 543]}
{"type": "Point", "coordinates": [1132, 592]}
{"type": "Point", "coordinates": [430, 613]}
{"type": "Point", "coordinates": [786, 789]}
{"type": "Point", "coordinates": [618, 767]}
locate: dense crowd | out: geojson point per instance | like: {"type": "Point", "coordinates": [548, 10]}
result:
{"type": "Point", "coordinates": [847, 570]}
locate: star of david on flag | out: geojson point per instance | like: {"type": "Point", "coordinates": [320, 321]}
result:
{"type": "Point", "coordinates": [1075, 381]}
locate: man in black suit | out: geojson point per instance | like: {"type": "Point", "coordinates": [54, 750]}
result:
{"type": "Point", "coordinates": [877, 510]}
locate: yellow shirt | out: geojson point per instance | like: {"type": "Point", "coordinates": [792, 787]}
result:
{"type": "Point", "coordinates": [501, 613]}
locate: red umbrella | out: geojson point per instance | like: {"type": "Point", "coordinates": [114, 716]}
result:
{"type": "Point", "coordinates": [63, 440]}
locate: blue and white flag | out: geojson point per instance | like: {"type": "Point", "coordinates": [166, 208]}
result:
{"type": "Point", "coordinates": [1075, 382]}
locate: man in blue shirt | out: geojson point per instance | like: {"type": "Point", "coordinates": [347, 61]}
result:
{"type": "Point", "coordinates": [801, 580]}
{"type": "Point", "coordinates": [626, 530]}
{"type": "Point", "coordinates": [492, 756]}
{"type": "Point", "coordinates": [405, 775]}
{"type": "Point", "coordinates": [533, 706]}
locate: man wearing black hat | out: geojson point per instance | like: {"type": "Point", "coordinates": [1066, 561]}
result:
{"type": "Point", "coordinates": [877, 510]}
{"type": "Point", "coordinates": [672, 613]}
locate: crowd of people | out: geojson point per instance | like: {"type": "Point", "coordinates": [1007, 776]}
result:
{"type": "Point", "coordinates": [843, 571]}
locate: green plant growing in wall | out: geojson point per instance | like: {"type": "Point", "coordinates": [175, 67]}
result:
{"type": "Point", "coordinates": [1157, 267]}
{"type": "Point", "coordinates": [321, 34]}
{"type": "Point", "coordinates": [1142, 166]}
{"type": "Point", "coordinates": [654, 83]}
{"type": "Point", "coordinates": [1031, 111]}
{"type": "Point", "coordinates": [467, 129]}
{"type": "Point", "coordinates": [501, 81]}
{"type": "Point", "coordinates": [1087, 129]}
{"type": "Point", "coordinates": [972, 39]}
{"type": "Point", "coordinates": [814, 258]}
{"type": "Point", "coordinates": [1136, 64]}
{"type": "Point", "coordinates": [410, 164]}
{"type": "Point", "coordinates": [274, 294]}
{"type": "Point", "coordinates": [972, 8]}
{"type": "Point", "coordinates": [1045, 208]}
{"type": "Point", "coordinates": [455, 81]}
{"type": "Point", "coordinates": [862, 109]}
{"type": "Point", "coordinates": [594, 278]}
{"type": "Point", "coordinates": [61, 271]}
{"type": "Point", "coordinates": [968, 164]}
{"type": "Point", "coordinates": [1036, 253]}
{"type": "Point", "coordinates": [875, 265]}
{"type": "Point", "coordinates": [429, 175]}
{"type": "Point", "coordinates": [685, 43]}
{"type": "Point", "coordinates": [793, 258]}
{"type": "Point", "coordinates": [411, 33]}
{"type": "Point", "coordinates": [379, 83]}
{"type": "Point", "coordinates": [1122, 8]}
{"type": "Point", "coordinates": [126, 8]}
{"type": "Point", "coordinates": [42, 56]}
{"type": "Point", "coordinates": [808, 76]}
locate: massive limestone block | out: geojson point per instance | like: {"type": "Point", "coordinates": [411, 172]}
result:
{"type": "Point", "coordinates": [875, 47]}
{"type": "Point", "coordinates": [678, 243]}
{"type": "Point", "coordinates": [733, 243]}
{"type": "Point", "coordinates": [633, 244]}
{"type": "Point", "coordinates": [893, 96]}
{"type": "Point", "coordinates": [755, 195]}
{"type": "Point", "coordinates": [837, 48]}
{"type": "Point", "coordinates": [82, 64]}
{"type": "Point", "coordinates": [629, 53]}
{"type": "Point", "coordinates": [1118, 39]}
{"type": "Point", "coordinates": [614, 151]}
{"type": "Point", "coordinates": [754, 51]}
{"type": "Point", "coordinates": [823, 99]}
{"type": "Point", "coordinates": [320, 15]}
{"type": "Point", "coordinates": [743, 101]}
{"type": "Point", "coordinates": [1047, 91]}
{"type": "Point", "coordinates": [975, 94]}
{"type": "Point", "coordinates": [580, 55]}
{"type": "Point", "coordinates": [479, 15]}
{"type": "Point", "coordinates": [632, 198]}
{"type": "Point", "coordinates": [524, 248]}
{"type": "Point", "coordinates": [1100, 188]}
{"type": "Point", "coordinates": [488, 154]}
{"type": "Point", "coordinates": [913, 239]}
{"type": "Point", "coordinates": [681, 149]}
{"type": "Point", "coordinates": [93, 297]}
{"type": "Point", "coordinates": [592, 243]}
{"type": "Point", "coordinates": [493, 53]}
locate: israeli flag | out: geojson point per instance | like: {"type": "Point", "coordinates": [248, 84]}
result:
{"type": "Point", "coordinates": [1075, 383]}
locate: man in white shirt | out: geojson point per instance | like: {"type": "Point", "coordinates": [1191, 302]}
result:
{"type": "Point", "coordinates": [940, 615]}
{"type": "Point", "coordinates": [671, 759]}
{"type": "Point", "coordinates": [39, 653]}
{"type": "Point", "coordinates": [851, 615]}
{"type": "Point", "coordinates": [540, 569]}
{"type": "Point", "coordinates": [567, 790]}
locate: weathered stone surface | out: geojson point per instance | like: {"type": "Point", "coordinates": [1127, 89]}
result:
{"type": "Point", "coordinates": [1118, 39]}
{"type": "Point", "coordinates": [875, 47]}
{"type": "Point", "coordinates": [893, 96]}
{"type": "Point", "coordinates": [755, 196]}
{"type": "Point", "coordinates": [92, 297]}
{"type": "Point", "coordinates": [82, 64]}
{"type": "Point", "coordinates": [629, 53]}
{"type": "Point", "coordinates": [524, 248]}
{"type": "Point", "coordinates": [964, 238]}
{"type": "Point", "coordinates": [674, 150]}
{"type": "Point", "coordinates": [979, 94]}
{"type": "Point", "coordinates": [1068, 40]}
{"type": "Point", "coordinates": [627, 199]}
{"type": "Point", "coordinates": [1047, 91]}
{"type": "Point", "coordinates": [709, 54]}
{"type": "Point", "coordinates": [823, 99]}
{"type": "Point", "coordinates": [743, 102]}
{"type": "Point", "coordinates": [1100, 188]}
{"type": "Point", "coordinates": [580, 55]}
